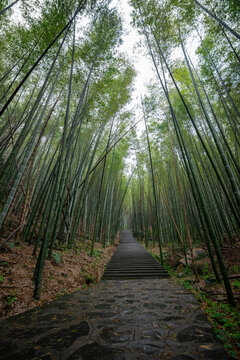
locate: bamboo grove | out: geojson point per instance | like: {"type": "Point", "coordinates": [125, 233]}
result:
{"type": "Point", "coordinates": [63, 95]}
{"type": "Point", "coordinates": [66, 131]}
{"type": "Point", "coordinates": [188, 191]}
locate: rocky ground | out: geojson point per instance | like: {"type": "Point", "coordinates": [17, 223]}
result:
{"type": "Point", "coordinates": [124, 320]}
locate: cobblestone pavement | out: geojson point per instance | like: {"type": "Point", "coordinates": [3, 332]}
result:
{"type": "Point", "coordinates": [114, 320]}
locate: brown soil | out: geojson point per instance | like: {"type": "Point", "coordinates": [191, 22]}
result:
{"type": "Point", "coordinates": [213, 290]}
{"type": "Point", "coordinates": [75, 271]}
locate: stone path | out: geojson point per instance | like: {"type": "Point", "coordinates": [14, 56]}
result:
{"type": "Point", "coordinates": [132, 261]}
{"type": "Point", "coordinates": [114, 320]}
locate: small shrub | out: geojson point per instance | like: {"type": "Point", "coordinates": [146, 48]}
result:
{"type": "Point", "coordinates": [10, 246]}
{"type": "Point", "coordinates": [10, 300]}
{"type": "Point", "coordinates": [187, 284]}
{"type": "Point", "coordinates": [97, 252]}
{"type": "Point", "coordinates": [205, 269]}
{"type": "Point", "coordinates": [236, 283]}
{"type": "Point", "coordinates": [89, 279]}
{"type": "Point", "coordinates": [56, 258]}
{"type": "Point", "coordinates": [236, 269]}
{"type": "Point", "coordinates": [62, 292]}
{"type": "Point", "coordinates": [225, 320]}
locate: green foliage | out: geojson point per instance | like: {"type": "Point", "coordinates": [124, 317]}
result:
{"type": "Point", "coordinates": [57, 257]}
{"type": "Point", "coordinates": [187, 284]}
{"type": "Point", "coordinates": [60, 122]}
{"type": "Point", "coordinates": [73, 104]}
{"type": "Point", "coordinates": [90, 279]}
{"type": "Point", "coordinates": [236, 283]}
{"type": "Point", "coordinates": [96, 253]}
{"type": "Point", "coordinates": [205, 269]}
{"type": "Point", "coordinates": [10, 245]}
{"type": "Point", "coordinates": [1, 278]}
{"type": "Point", "coordinates": [62, 292]}
{"type": "Point", "coordinates": [226, 321]}
{"type": "Point", "coordinates": [169, 270]}
{"type": "Point", "coordinates": [10, 300]}
{"type": "Point", "coordinates": [190, 128]}
{"type": "Point", "coordinates": [236, 269]}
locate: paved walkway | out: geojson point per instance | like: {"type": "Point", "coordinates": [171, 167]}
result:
{"type": "Point", "coordinates": [132, 261]}
{"type": "Point", "coordinates": [114, 320]}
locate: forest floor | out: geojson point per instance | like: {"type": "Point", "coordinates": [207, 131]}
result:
{"type": "Point", "coordinates": [210, 295]}
{"type": "Point", "coordinates": [68, 271]}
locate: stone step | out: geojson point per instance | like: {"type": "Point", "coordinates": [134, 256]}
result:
{"type": "Point", "coordinates": [135, 266]}
{"type": "Point", "coordinates": [135, 263]}
{"type": "Point", "coordinates": [132, 261]}
{"type": "Point", "coordinates": [134, 276]}
{"type": "Point", "coordinates": [139, 273]}
{"type": "Point", "coordinates": [135, 269]}
{"type": "Point", "coordinates": [133, 272]}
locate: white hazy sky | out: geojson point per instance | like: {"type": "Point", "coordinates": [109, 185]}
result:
{"type": "Point", "coordinates": [140, 59]}
{"type": "Point", "coordinates": [137, 55]}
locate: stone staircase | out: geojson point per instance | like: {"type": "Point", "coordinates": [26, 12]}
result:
{"type": "Point", "coordinates": [132, 261]}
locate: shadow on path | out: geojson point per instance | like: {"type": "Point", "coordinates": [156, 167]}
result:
{"type": "Point", "coordinates": [147, 318]}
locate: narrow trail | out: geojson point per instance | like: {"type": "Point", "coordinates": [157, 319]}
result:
{"type": "Point", "coordinates": [132, 261]}
{"type": "Point", "coordinates": [143, 316]}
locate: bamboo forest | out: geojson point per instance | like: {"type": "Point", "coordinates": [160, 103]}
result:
{"type": "Point", "coordinates": [120, 138]}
